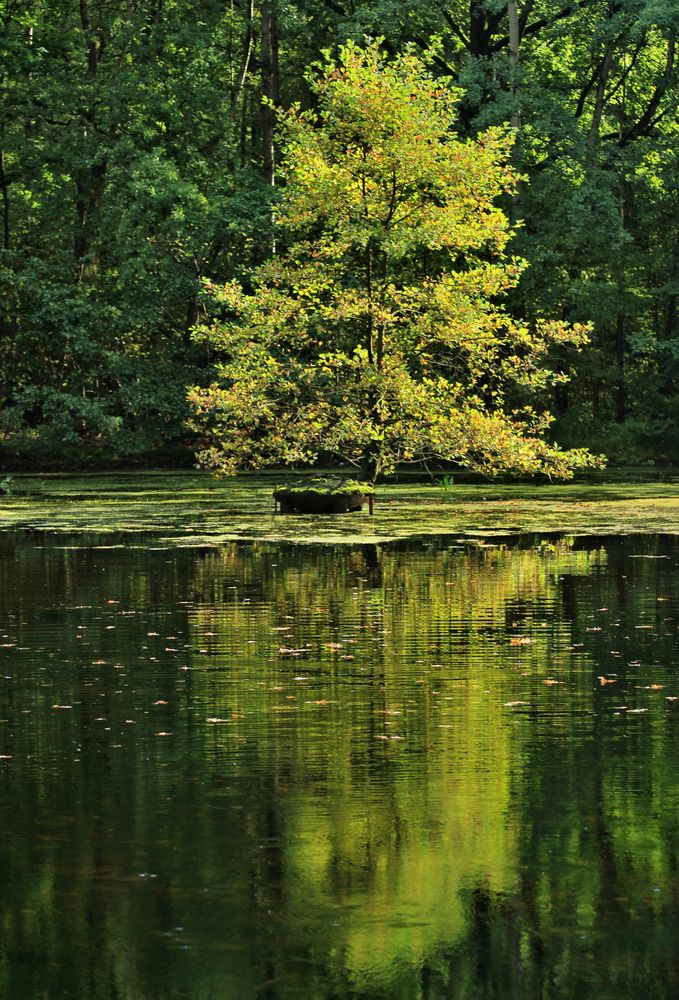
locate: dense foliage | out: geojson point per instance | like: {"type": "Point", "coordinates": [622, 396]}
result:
{"type": "Point", "coordinates": [375, 336]}
{"type": "Point", "coordinates": [136, 157]}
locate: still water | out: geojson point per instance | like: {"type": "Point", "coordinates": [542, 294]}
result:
{"type": "Point", "coordinates": [399, 772]}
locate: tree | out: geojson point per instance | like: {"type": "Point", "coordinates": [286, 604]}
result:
{"type": "Point", "coordinates": [123, 177]}
{"type": "Point", "coordinates": [376, 335]}
{"type": "Point", "coordinates": [592, 87]}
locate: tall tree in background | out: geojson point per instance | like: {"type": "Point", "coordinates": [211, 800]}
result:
{"type": "Point", "coordinates": [127, 171]}
{"type": "Point", "coordinates": [377, 336]}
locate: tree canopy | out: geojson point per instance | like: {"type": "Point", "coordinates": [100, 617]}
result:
{"type": "Point", "coordinates": [136, 157]}
{"type": "Point", "coordinates": [377, 335]}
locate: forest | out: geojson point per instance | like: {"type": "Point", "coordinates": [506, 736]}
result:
{"type": "Point", "coordinates": [139, 166]}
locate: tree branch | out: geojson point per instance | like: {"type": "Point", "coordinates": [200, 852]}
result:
{"type": "Point", "coordinates": [644, 125]}
{"type": "Point", "coordinates": [546, 22]}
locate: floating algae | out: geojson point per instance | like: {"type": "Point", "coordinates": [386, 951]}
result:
{"type": "Point", "coordinates": [193, 509]}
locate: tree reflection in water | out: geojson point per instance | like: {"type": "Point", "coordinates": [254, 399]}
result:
{"type": "Point", "coordinates": [367, 788]}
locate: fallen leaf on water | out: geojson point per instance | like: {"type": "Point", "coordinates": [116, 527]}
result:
{"type": "Point", "coordinates": [160, 702]}
{"type": "Point", "coordinates": [607, 680]}
{"type": "Point", "coordinates": [521, 640]}
{"type": "Point", "coordinates": [549, 681]}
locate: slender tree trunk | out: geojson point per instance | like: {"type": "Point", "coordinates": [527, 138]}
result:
{"type": "Point", "coordinates": [270, 87]}
{"type": "Point", "coordinates": [370, 464]}
{"type": "Point", "coordinates": [246, 57]}
{"type": "Point", "coordinates": [670, 317]}
{"type": "Point", "coordinates": [4, 188]}
{"type": "Point", "coordinates": [596, 397]}
{"type": "Point", "coordinates": [514, 43]}
{"type": "Point", "coordinates": [243, 137]}
{"type": "Point", "coordinates": [599, 97]}
{"type": "Point", "coordinates": [369, 345]}
{"type": "Point", "coordinates": [90, 180]}
{"type": "Point", "coordinates": [271, 96]}
{"type": "Point", "coordinates": [92, 59]}
{"type": "Point", "coordinates": [620, 390]}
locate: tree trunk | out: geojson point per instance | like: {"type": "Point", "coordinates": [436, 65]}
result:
{"type": "Point", "coordinates": [620, 391]}
{"type": "Point", "coordinates": [92, 59]}
{"type": "Point", "coordinates": [246, 57]}
{"type": "Point", "coordinates": [4, 188]}
{"type": "Point", "coordinates": [599, 95]}
{"type": "Point", "coordinates": [89, 181]}
{"type": "Point", "coordinates": [478, 29]}
{"type": "Point", "coordinates": [270, 87]}
{"type": "Point", "coordinates": [370, 465]}
{"type": "Point", "coordinates": [514, 43]}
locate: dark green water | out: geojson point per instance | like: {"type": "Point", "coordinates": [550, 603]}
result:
{"type": "Point", "coordinates": [414, 771]}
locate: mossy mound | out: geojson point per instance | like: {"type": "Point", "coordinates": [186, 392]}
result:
{"type": "Point", "coordinates": [325, 486]}
{"type": "Point", "coordinates": [322, 495]}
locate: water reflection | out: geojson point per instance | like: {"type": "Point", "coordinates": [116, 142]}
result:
{"type": "Point", "coordinates": [411, 771]}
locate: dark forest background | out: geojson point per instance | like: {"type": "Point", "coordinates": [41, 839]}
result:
{"type": "Point", "coordinates": [137, 157]}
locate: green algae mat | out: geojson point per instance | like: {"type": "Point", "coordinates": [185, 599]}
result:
{"type": "Point", "coordinates": [191, 508]}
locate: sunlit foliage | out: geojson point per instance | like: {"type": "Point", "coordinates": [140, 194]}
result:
{"type": "Point", "coordinates": [377, 334]}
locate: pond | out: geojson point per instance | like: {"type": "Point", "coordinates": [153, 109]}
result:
{"type": "Point", "coordinates": [418, 769]}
